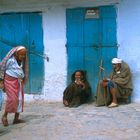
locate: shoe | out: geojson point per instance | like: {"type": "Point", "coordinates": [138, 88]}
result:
{"type": "Point", "coordinates": [4, 121]}
{"type": "Point", "coordinates": [113, 105]}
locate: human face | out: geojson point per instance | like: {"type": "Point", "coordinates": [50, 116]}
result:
{"type": "Point", "coordinates": [21, 55]}
{"type": "Point", "coordinates": [114, 65]}
{"type": "Point", "coordinates": [78, 75]}
{"type": "Point", "coordinates": [117, 66]}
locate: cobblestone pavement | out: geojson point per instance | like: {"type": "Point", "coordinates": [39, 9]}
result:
{"type": "Point", "coordinates": [53, 121]}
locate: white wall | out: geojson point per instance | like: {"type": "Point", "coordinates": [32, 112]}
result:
{"type": "Point", "coordinates": [129, 39]}
{"type": "Point", "coordinates": [54, 26]}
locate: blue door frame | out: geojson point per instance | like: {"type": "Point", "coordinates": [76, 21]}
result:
{"type": "Point", "coordinates": [25, 29]}
{"type": "Point", "coordinates": [90, 40]}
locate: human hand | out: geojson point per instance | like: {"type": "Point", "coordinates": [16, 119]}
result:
{"type": "Point", "coordinates": [104, 83]}
{"type": "Point", "coordinates": [1, 85]}
{"type": "Point", "coordinates": [78, 81]}
{"type": "Point", "coordinates": [81, 83]}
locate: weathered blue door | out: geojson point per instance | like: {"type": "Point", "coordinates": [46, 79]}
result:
{"type": "Point", "coordinates": [25, 29]}
{"type": "Point", "coordinates": [91, 38]}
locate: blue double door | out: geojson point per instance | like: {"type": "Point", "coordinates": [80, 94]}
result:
{"type": "Point", "coordinates": [91, 39]}
{"type": "Point", "coordinates": [25, 29]}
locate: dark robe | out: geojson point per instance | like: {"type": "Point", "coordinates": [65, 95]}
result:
{"type": "Point", "coordinates": [76, 95]}
{"type": "Point", "coordinates": [122, 82]}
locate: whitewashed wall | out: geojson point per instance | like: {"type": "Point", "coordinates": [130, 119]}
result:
{"type": "Point", "coordinates": [54, 28]}
{"type": "Point", "coordinates": [129, 39]}
{"type": "Point", "coordinates": [54, 25]}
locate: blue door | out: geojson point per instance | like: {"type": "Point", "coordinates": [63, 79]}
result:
{"type": "Point", "coordinates": [25, 29]}
{"type": "Point", "coordinates": [91, 38]}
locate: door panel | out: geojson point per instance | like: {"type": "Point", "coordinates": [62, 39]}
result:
{"type": "Point", "coordinates": [91, 65]}
{"type": "Point", "coordinates": [108, 32]}
{"type": "Point", "coordinates": [75, 60]}
{"type": "Point", "coordinates": [91, 39]}
{"type": "Point", "coordinates": [75, 41]}
{"type": "Point", "coordinates": [91, 45]}
{"type": "Point", "coordinates": [36, 47]}
{"type": "Point", "coordinates": [91, 32]}
{"type": "Point", "coordinates": [25, 29]}
{"type": "Point", "coordinates": [9, 32]}
{"type": "Point", "coordinates": [75, 27]}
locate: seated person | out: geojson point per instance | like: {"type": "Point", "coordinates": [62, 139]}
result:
{"type": "Point", "coordinates": [118, 85]}
{"type": "Point", "coordinates": [78, 92]}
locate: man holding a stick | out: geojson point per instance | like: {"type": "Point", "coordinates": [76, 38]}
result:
{"type": "Point", "coordinates": [119, 83]}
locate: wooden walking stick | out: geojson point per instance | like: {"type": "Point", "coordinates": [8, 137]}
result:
{"type": "Point", "coordinates": [103, 69]}
{"type": "Point", "coordinates": [98, 93]}
{"type": "Point", "coordinates": [105, 88]}
{"type": "Point", "coordinates": [99, 75]}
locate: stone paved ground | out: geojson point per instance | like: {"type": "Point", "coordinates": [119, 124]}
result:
{"type": "Point", "coordinates": [52, 121]}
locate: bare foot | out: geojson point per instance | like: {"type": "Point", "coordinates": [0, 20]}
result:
{"type": "Point", "coordinates": [4, 121]}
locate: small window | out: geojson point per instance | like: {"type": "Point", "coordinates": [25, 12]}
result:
{"type": "Point", "coordinates": [92, 13]}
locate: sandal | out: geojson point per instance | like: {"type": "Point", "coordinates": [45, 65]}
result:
{"type": "Point", "coordinates": [4, 121]}
{"type": "Point", "coordinates": [113, 105]}
{"type": "Point", "coordinates": [18, 121]}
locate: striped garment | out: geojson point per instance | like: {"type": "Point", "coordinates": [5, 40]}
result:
{"type": "Point", "coordinates": [14, 90]}
{"type": "Point", "coordinates": [4, 61]}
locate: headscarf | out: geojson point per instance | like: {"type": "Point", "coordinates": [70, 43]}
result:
{"type": "Point", "coordinates": [116, 61]}
{"type": "Point", "coordinates": [20, 48]}
{"type": "Point", "coordinates": [9, 55]}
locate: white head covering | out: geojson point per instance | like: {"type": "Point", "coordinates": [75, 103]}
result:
{"type": "Point", "coordinates": [116, 60]}
{"type": "Point", "coordinates": [20, 48]}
